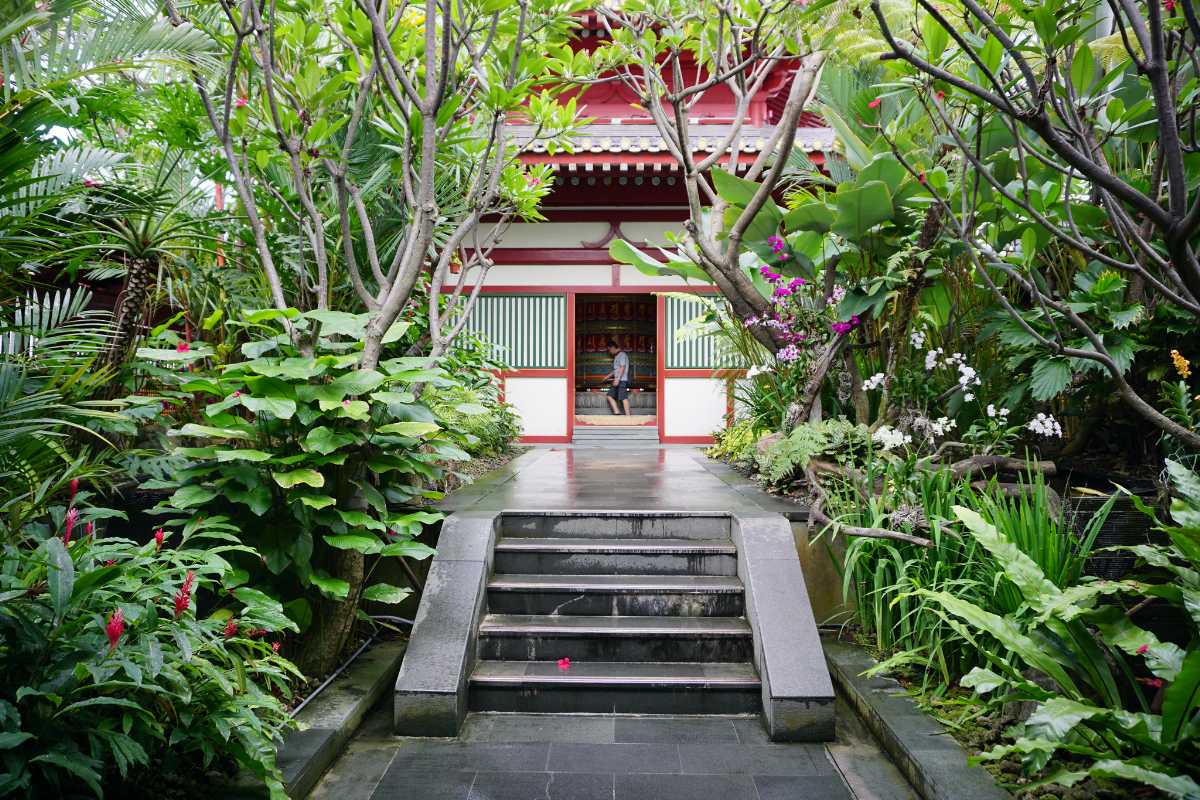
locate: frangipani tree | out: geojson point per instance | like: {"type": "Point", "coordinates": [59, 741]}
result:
{"type": "Point", "coordinates": [1077, 123]}
{"type": "Point", "coordinates": [365, 142]}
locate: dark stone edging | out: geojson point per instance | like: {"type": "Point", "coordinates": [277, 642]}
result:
{"type": "Point", "coordinates": [334, 715]}
{"type": "Point", "coordinates": [932, 761]}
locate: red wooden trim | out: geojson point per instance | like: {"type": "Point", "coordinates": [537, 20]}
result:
{"type": "Point", "coordinates": [624, 288]}
{"type": "Point", "coordinates": [570, 332]}
{"type": "Point", "coordinates": [550, 255]}
{"type": "Point", "coordinates": [534, 373]}
{"type": "Point", "coordinates": [690, 373]}
{"type": "Point", "coordinates": [545, 440]}
{"type": "Point", "coordinates": [686, 439]}
{"type": "Point", "coordinates": [661, 366]}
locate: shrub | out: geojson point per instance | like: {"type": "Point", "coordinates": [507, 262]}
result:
{"type": "Point", "coordinates": [110, 674]}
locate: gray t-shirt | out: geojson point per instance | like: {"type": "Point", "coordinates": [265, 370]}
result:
{"type": "Point", "coordinates": [621, 366]}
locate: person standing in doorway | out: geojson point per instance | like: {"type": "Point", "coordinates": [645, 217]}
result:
{"type": "Point", "coordinates": [618, 395]}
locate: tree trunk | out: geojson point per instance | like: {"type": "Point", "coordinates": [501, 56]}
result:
{"type": "Point", "coordinates": [324, 642]}
{"type": "Point", "coordinates": [139, 278]}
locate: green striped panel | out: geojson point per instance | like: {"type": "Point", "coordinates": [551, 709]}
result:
{"type": "Point", "coordinates": [528, 331]}
{"type": "Point", "coordinates": [695, 352]}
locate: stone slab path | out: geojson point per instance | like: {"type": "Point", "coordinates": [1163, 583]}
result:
{"type": "Point", "coordinates": [614, 757]}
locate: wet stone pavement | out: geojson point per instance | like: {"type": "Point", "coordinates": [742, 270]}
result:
{"type": "Point", "coordinates": [609, 757]}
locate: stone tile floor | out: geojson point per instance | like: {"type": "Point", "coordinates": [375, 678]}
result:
{"type": "Point", "coordinates": [609, 757]}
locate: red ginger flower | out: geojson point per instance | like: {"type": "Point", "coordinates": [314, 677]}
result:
{"type": "Point", "coordinates": [72, 490]}
{"type": "Point", "coordinates": [89, 528]}
{"type": "Point", "coordinates": [183, 597]}
{"type": "Point", "coordinates": [114, 628]}
{"type": "Point", "coordinates": [1169, 5]}
{"type": "Point", "coordinates": [230, 628]}
{"type": "Point", "coordinates": [159, 535]}
{"type": "Point", "coordinates": [1141, 651]}
{"type": "Point", "coordinates": [275, 646]}
{"type": "Point", "coordinates": [182, 347]}
{"type": "Point", "coordinates": [109, 563]}
{"type": "Point", "coordinates": [564, 663]}
{"type": "Point", "coordinates": [874, 103]}
{"type": "Point", "coordinates": [240, 102]}
{"type": "Point", "coordinates": [69, 524]}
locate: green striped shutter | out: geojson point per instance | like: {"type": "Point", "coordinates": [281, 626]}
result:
{"type": "Point", "coordinates": [526, 331]}
{"type": "Point", "coordinates": [695, 352]}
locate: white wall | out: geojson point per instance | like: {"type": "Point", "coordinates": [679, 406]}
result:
{"type": "Point", "coordinates": [540, 402]}
{"type": "Point", "coordinates": [693, 406]}
{"type": "Point", "coordinates": [544, 275]}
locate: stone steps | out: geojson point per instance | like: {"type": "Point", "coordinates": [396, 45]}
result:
{"type": "Point", "coordinates": [615, 613]}
{"type": "Point", "coordinates": [623, 595]}
{"type": "Point", "coordinates": [597, 556]}
{"type": "Point", "coordinates": [620, 688]}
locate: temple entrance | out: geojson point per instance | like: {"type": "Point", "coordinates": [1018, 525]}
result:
{"type": "Point", "coordinates": [632, 321]}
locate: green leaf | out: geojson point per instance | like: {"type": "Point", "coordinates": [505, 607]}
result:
{"type": "Point", "coordinates": [408, 549]}
{"type": "Point", "coordinates": [1083, 70]}
{"type": "Point", "coordinates": [982, 680]}
{"type": "Point", "coordinates": [300, 612]}
{"type": "Point", "coordinates": [206, 431]}
{"type": "Point", "coordinates": [857, 153]}
{"type": "Point", "coordinates": [317, 501]}
{"type": "Point", "coordinates": [360, 519]}
{"type": "Point", "coordinates": [335, 587]}
{"type": "Point", "coordinates": [60, 575]}
{"type": "Point", "coordinates": [324, 440]}
{"type": "Point", "coordinates": [241, 455]}
{"type": "Point", "coordinates": [363, 544]}
{"type": "Point", "coordinates": [1180, 786]}
{"type": "Point", "coordinates": [189, 496]}
{"type": "Point", "coordinates": [732, 189]}
{"type": "Point", "coordinates": [1050, 376]}
{"type": "Point", "coordinates": [279, 407]}
{"type": "Point", "coordinates": [1058, 716]}
{"type": "Point", "coordinates": [308, 477]}
{"type": "Point", "coordinates": [862, 208]}
{"type": "Point", "coordinates": [14, 739]}
{"type": "Point", "coordinates": [625, 253]}
{"type": "Point", "coordinates": [267, 314]}
{"type": "Point", "coordinates": [396, 331]}
{"type": "Point", "coordinates": [812, 215]}
{"type": "Point", "coordinates": [1023, 571]}
{"type": "Point", "coordinates": [385, 593]}
{"type": "Point", "coordinates": [1181, 699]}
{"type": "Point", "coordinates": [414, 429]}
{"type": "Point", "coordinates": [884, 168]}
{"type": "Point", "coordinates": [340, 323]}
{"type": "Point", "coordinates": [471, 409]}
{"type": "Point", "coordinates": [935, 38]}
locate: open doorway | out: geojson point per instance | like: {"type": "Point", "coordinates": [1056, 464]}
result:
{"type": "Point", "coordinates": [631, 320]}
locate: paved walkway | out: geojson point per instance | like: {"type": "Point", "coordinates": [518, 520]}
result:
{"type": "Point", "coordinates": [614, 757]}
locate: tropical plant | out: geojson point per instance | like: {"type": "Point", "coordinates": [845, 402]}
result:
{"type": "Point", "coordinates": [112, 674]}
{"type": "Point", "coordinates": [316, 460]}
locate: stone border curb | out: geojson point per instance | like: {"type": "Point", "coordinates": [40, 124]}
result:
{"type": "Point", "coordinates": [932, 761]}
{"type": "Point", "coordinates": [334, 715]}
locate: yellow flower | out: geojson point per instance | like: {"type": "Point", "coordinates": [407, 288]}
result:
{"type": "Point", "coordinates": [1182, 365]}
{"type": "Point", "coordinates": [413, 17]}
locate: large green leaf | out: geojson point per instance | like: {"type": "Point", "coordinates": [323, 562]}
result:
{"type": "Point", "coordinates": [385, 593]}
{"type": "Point", "coordinates": [1038, 590]}
{"type": "Point", "coordinates": [1180, 786]}
{"type": "Point", "coordinates": [367, 545]}
{"type": "Point", "coordinates": [242, 455]}
{"type": "Point", "coordinates": [732, 189]}
{"type": "Point", "coordinates": [625, 253]}
{"type": "Point", "coordinates": [1057, 717]}
{"type": "Point", "coordinates": [206, 431]}
{"type": "Point", "coordinates": [1050, 377]}
{"type": "Point", "coordinates": [812, 215]}
{"type": "Point", "coordinates": [1181, 699]}
{"type": "Point", "coordinates": [189, 496]}
{"type": "Point", "coordinates": [60, 575]}
{"type": "Point", "coordinates": [857, 153]}
{"type": "Point", "coordinates": [335, 587]}
{"type": "Point", "coordinates": [340, 323]}
{"type": "Point", "coordinates": [408, 549]}
{"type": "Point", "coordinates": [861, 208]}
{"type": "Point", "coordinates": [886, 168]}
{"type": "Point", "coordinates": [324, 440]}
{"type": "Point", "coordinates": [414, 429]}
{"type": "Point", "coordinates": [308, 477]}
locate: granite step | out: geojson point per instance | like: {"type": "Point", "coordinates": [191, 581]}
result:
{"type": "Point", "coordinates": [597, 556]}
{"type": "Point", "coordinates": [618, 595]}
{"type": "Point", "coordinates": [536, 637]}
{"type": "Point", "coordinates": [623, 687]}
{"type": "Point", "coordinates": [616, 525]}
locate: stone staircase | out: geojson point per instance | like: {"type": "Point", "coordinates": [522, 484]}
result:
{"type": "Point", "coordinates": [649, 612]}
{"type": "Point", "coordinates": [615, 436]}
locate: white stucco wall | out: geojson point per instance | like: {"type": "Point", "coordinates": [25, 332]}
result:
{"type": "Point", "coordinates": [545, 275]}
{"type": "Point", "coordinates": [540, 402]}
{"type": "Point", "coordinates": [693, 406]}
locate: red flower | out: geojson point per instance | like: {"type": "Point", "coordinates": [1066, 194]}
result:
{"type": "Point", "coordinates": [940, 95]}
{"type": "Point", "coordinates": [564, 664]}
{"type": "Point", "coordinates": [72, 490]}
{"type": "Point", "coordinates": [275, 646]}
{"type": "Point", "coordinates": [159, 535]}
{"type": "Point", "coordinates": [90, 184]}
{"type": "Point", "coordinates": [258, 633]}
{"type": "Point", "coordinates": [1153, 683]}
{"type": "Point", "coordinates": [240, 102]}
{"type": "Point", "coordinates": [69, 524]}
{"type": "Point", "coordinates": [874, 103]}
{"type": "Point", "coordinates": [182, 347]}
{"type": "Point", "coordinates": [1141, 651]}
{"type": "Point", "coordinates": [237, 394]}
{"type": "Point", "coordinates": [109, 563]}
{"type": "Point", "coordinates": [230, 628]}
{"type": "Point", "coordinates": [114, 628]}
{"type": "Point", "coordinates": [89, 528]}
{"type": "Point", "coordinates": [921, 179]}
{"type": "Point", "coordinates": [1169, 5]}
{"type": "Point", "coordinates": [183, 598]}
